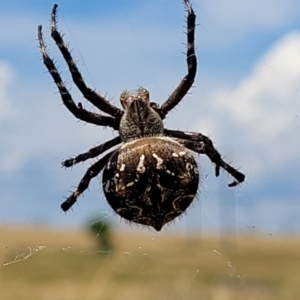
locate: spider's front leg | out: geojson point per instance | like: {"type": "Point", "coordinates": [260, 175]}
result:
{"type": "Point", "coordinates": [202, 144]}
{"type": "Point", "coordinates": [99, 101]}
{"type": "Point", "coordinates": [77, 110]}
{"type": "Point", "coordinates": [186, 83]}
{"type": "Point", "coordinates": [92, 172]}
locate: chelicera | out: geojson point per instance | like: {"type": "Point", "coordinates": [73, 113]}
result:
{"type": "Point", "coordinates": [152, 176]}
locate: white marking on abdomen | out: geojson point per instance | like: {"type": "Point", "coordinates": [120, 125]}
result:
{"type": "Point", "coordinates": [141, 168]}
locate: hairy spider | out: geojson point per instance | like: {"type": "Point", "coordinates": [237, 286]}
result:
{"type": "Point", "coordinates": [152, 177]}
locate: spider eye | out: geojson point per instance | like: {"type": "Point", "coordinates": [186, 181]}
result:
{"type": "Point", "coordinates": [145, 92]}
{"type": "Point", "coordinates": [124, 98]}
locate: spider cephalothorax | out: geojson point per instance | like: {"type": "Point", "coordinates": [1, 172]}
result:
{"type": "Point", "coordinates": [139, 119]}
{"type": "Point", "coordinates": [152, 177]}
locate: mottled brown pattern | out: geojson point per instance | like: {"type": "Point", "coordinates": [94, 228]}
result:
{"type": "Point", "coordinates": [151, 181]}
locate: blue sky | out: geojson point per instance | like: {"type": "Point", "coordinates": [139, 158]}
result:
{"type": "Point", "coordinates": [246, 98]}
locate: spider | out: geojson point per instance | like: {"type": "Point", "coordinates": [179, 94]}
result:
{"type": "Point", "coordinates": [152, 176]}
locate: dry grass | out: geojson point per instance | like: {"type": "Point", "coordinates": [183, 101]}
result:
{"type": "Point", "coordinates": [147, 267]}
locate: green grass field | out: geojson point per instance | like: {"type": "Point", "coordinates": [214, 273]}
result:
{"type": "Point", "coordinates": [44, 264]}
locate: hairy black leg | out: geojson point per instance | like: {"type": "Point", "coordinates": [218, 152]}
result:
{"type": "Point", "coordinates": [92, 172]}
{"type": "Point", "coordinates": [188, 80]}
{"type": "Point", "coordinates": [77, 110]}
{"type": "Point", "coordinates": [202, 144]}
{"type": "Point", "coordinates": [92, 152]}
{"type": "Point", "coordinates": [96, 99]}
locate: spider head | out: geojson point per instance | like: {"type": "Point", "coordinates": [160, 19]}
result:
{"type": "Point", "coordinates": [134, 100]}
{"type": "Point", "coordinates": [139, 119]}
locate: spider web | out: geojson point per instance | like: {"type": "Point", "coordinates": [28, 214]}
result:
{"type": "Point", "coordinates": [142, 254]}
{"type": "Point", "coordinates": [174, 263]}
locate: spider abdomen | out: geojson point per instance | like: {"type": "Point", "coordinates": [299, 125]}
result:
{"type": "Point", "coordinates": [151, 181]}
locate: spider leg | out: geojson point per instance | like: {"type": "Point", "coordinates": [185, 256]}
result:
{"type": "Point", "coordinates": [186, 83]}
{"type": "Point", "coordinates": [92, 172]}
{"type": "Point", "coordinates": [92, 152]}
{"type": "Point", "coordinates": [77, 110]}
{"type": "Point", "coordinates": [96, 99]}
{"type": "Point", "coordinates": [202, 144]}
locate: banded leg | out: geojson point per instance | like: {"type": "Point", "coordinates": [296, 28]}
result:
{"type": "Point", "coordinates": [96, 99]}
{"type": "Point", "coordinates": [92, 172]}
{"type": "Point", "coordinates": [92, 152]}
{"type": "Point", "coordinates": [202, 144]}
{"type": "Point", "coordinates": [191, 59]}
{"type": "Point", "coordinates": [77, 110]}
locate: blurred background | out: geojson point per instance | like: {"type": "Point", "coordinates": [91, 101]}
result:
{"type": "Point", "coordinates": [246, 99]}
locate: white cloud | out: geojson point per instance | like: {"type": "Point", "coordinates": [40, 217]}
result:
{"type": "Point", "coordinates": [34, 124]}
{"type": "Point", "coordinates": [6, 78]}
{"type": "Point", "coordinates": [8, 115]}
{"type": "Point", "coordinates": [261, 113]}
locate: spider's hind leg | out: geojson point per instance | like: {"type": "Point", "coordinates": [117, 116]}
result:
{"type": "Point", "coordinates": [92, 172]}
{"type": "Point", "coordinates": [93, 152]}
{"type": "Point", "coordinates": [201, 144]}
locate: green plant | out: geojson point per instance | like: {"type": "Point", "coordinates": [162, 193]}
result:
{"type": "Point", "coordinates": [101, 229]}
